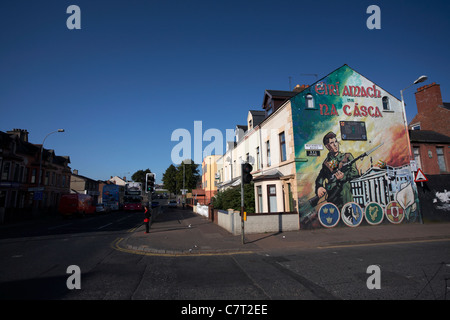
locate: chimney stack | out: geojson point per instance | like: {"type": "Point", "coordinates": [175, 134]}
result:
{"type": "Point", "coordinates": [21, 133]}
{"type": "Point", "coordinates": [428, 97]}
{"type": "Point", "coordinates": [300, 88]}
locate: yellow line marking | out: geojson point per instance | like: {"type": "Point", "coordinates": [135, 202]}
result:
{"type": "Point", "coordinates": [115, 245]}
{"type": "Point", "coordinates": [381, 243]}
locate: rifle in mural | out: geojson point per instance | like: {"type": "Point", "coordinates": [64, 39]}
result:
{"type": "Point", "coordinates": [343, 167]}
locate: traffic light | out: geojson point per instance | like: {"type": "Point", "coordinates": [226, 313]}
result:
{"type": "Point", "coordinates": [149, 182]}
{"type": "Point", "coordinates": [246, 169]}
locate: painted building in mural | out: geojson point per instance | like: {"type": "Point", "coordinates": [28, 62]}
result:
{"type": "Point", "coordinates": [336, 152]}
{"type": "Point", "coordinates": [351, 150]}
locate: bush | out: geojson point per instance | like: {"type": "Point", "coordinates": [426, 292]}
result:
{"type": "Point", "coordinates": [231, 198]}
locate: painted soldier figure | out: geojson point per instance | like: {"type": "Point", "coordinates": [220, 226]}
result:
{"type": "Point", "coordinates": [331, 181]}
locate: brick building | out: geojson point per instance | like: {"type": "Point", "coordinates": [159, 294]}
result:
{"type": "Point", "coordinates": [432, 113]}
{"type": "Point", "coordinates": [430, 131]}
{"type": "Point", "coordinates": [19, 168]}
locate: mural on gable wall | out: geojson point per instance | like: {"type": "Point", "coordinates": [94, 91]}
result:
{"type": "Point", "coordinates": [352, 158]}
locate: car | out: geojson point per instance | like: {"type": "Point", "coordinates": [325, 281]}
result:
{"type": "Point", "coordinates": [155, 204]}
{"type": "Point", "coordinates": [172, 203]}
{"type": "Point", "coordinates": [100, 207]}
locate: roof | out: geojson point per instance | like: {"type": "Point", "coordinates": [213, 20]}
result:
{"type": "Point", "coordinates": [281, 93]}
{"type": "Point", "coordinates": [258, 116]}
{"type": "Point", "coordinates": [427, 136]}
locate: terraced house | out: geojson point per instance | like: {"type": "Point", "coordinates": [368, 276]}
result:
{"type": "Point", "coordinates": [20, 192]}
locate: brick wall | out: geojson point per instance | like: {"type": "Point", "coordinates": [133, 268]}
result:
{"type": "Point", "coordinates": [431, 113]}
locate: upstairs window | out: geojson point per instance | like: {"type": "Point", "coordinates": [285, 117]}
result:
{"type": "Point", "coordinates": [441, 159]}
{"type": "Point", "coordinates": [282, 146]}
{"type": "Point", "coordinates": [386, 104]}
{"type": "Point", "coordinates": [309, 101]}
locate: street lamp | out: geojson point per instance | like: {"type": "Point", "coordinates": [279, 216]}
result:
{"type": "Point", "coordinates": [420, 79]}
{"type": "Point", "coordinates": [40, 160]}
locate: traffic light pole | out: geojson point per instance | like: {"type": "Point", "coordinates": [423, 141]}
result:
{"type": "Point", "coordinates": [242, 203]}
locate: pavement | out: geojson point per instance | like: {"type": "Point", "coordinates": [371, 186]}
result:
{"type": "Point", "coordinates": [181, 232]}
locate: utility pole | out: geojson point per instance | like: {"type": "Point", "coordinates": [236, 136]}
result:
{"type": "Point", "coordinates": [246, 177]}
{"type": "Point", "coordinates": [242, 203]}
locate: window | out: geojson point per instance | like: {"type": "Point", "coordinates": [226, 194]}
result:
{"type": "Point", "coordinates": [385, 101]}
{"type": "Point", "coordinates": [269, 107]}
{"type": "Point", "coordinates": [16, 173]}
{"type": "Point", "coordinates": [309, 101]}
{"type": "Point", "coordinates": [268, 152]}
{"type": "Point", "coordinates": [260, 198]}
{"type": "Point", "coordinates": [415, 126]}
{"type": "Point", "coordinates": [272, 198]}
{"type": "Point", "coordinates": [441, 159]}
{"type": "Point", "coordinates": [33, 176]}
{"type": "Point", "coordinates": [282, 147]}
{"type": "Point", "coordinates": [417, 157]}
{"type": "Point", "coordinates": [5, 171]}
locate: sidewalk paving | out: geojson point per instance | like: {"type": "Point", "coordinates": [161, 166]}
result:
{"type": "Point", "coordinates": [181, 232]}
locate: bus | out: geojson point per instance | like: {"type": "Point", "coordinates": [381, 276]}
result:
{"type": "Point", "coordinates": [111, 196]}
{"type": "Point", "coordinates": [132, 200]}
{"type": "Point", "coordinates": [132, 203]}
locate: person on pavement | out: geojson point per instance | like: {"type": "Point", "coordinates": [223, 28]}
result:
{"type": "Point", "coordinates": [147, 216]}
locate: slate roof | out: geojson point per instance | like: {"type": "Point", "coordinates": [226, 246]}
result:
{"type": "Point", "coordinates": [427, 136]}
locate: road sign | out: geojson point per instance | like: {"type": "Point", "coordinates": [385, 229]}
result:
{"type": "Point", "coordinates": [38, 195]}
{"type": "Point", "coordinates": [420, 177]}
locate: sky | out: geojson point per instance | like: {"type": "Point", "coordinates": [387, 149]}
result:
{"type": "Point", "coordinates": [139, 70]}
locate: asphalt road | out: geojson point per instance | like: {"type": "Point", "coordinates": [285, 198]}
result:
{"type": "Point", "coordinates": [36, 255]}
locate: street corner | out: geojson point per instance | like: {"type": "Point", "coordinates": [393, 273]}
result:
{"type": "Point", "coordinates": [140, 243]}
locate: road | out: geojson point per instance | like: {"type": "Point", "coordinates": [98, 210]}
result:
{"type": "Point", "coordinates": [36, 255]}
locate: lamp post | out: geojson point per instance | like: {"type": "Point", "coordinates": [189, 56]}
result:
{"type": "Point", "coordinates": [420, 79]}
{"type": "Point", "coordinates": [40, 159]}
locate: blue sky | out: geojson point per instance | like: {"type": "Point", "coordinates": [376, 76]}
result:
{"type": "Point", "coordinates": [138, 70]}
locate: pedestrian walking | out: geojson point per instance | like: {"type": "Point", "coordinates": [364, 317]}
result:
{"type": "Point", "coordinates": [147, 216]}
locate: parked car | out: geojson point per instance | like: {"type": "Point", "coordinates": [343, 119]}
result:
{"type": "Point", "coordinates": [172, 203]}
{"type": "Point", "coordinates": [100, 207]}
{"type": "Point", "coordinates": [155, 204]}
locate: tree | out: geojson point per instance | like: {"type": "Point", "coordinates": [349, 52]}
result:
{"type": "Point", "coordinates": [189, 174]}
{"type": "Point", "coordinates": [139, 176]}
{"type": "Point", "coordinates": [173, 176]}
{"type": "Point", "coordinates": [169, 179]}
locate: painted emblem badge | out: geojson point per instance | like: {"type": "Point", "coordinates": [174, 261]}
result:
{"type": "Point", "coordinates": [374, 213]}
{"type": "Point", "coordinates": [352, 214]}
{"type": "Point", "coordinates": [394, 212]}
{"type": "Point", "coordinates": [328, 215]}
